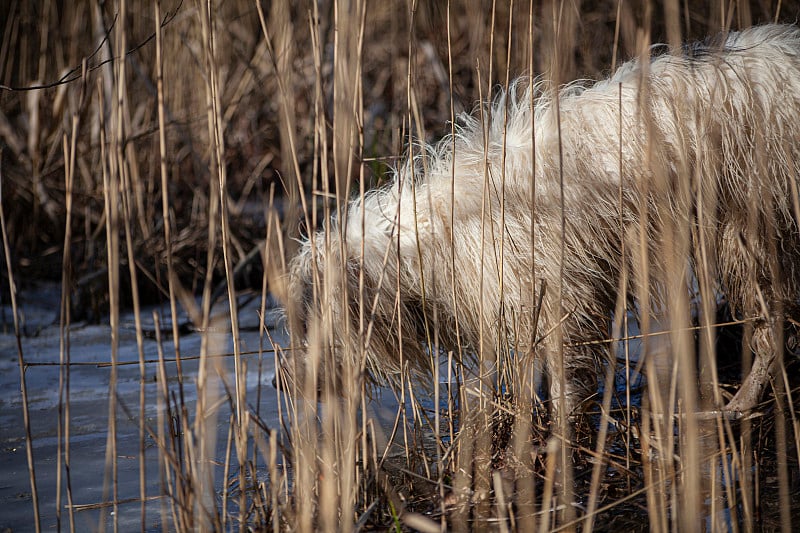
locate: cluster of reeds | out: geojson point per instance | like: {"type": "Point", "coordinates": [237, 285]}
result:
{"type": "Point", "coordinates": [158, 151]}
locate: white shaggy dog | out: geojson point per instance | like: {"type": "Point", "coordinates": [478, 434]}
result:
{"type": "Point", "coordinates": [568, 195]}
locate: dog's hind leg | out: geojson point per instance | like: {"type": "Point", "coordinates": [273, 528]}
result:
{"type": "Point", "coordinates": [765, 348]}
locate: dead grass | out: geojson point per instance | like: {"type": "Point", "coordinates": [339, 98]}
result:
{"type": "Point", "coordinates": [225, 133]}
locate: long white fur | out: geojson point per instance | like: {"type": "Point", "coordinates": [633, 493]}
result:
{"type": "Point", "coordinates": [710, 142]}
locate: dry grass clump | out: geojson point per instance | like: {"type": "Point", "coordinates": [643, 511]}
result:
{"type": "Point", "coordinates": [160, 151]}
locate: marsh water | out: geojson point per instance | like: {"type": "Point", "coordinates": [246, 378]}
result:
{"type": "Point", "coordinates": [89, 378]}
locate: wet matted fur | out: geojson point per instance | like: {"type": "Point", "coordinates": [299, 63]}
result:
{"type": "Point", "coordinates": [691, 156]}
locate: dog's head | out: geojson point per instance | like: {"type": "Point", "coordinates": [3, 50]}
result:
{"type": "Point", "coordinates": [348, 321]}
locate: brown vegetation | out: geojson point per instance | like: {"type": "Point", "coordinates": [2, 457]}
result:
{"type": "Point", "coordinates": [149, 150]}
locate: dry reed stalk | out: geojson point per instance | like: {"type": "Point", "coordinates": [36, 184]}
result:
{"type": "Point", "coordinates": [226, 470]}
{"type": "Point", "coordinates": [216, 200]}
{"type": "Point", "coordinates": [111, 195]}
{"type": "Point", "coordinates": [12, 289]}
{"type": "Point", "coordinates": [64, 346]}
{"type": "Point", "coordinates": [216, 140]}
{"type": "Point", "coordinates": [282, 54]}
{"type": "Point", "coordinates": [142, 439]}
{"type": "Point", "coordinates": [126, 202]}
{"type": "Point", "coordinates": [262, 311]}
{"type": "Point", "coordinates": [69, 151]}
{"type": "Point", "coordinates": [269, 502]}
{"type": "Point", "coordinates": [160, 437]}
{"type": "Point", "coordinates": [166, 458]}
{"type": "Point", "coordinates": [165, 199]}
{"type": "Point", "coordinates": [275, 482]}
{"type": "Point", "coordinates": [522, 446]}
{"type": "Point", "coordinates": [563, 28]}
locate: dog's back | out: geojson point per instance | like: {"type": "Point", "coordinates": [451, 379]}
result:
{"type": "Point", "coordinates": [687, 159]}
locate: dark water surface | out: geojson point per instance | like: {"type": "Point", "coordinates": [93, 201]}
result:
{"type": "Point", "coordinates": [89, 411]}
